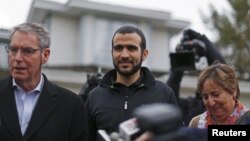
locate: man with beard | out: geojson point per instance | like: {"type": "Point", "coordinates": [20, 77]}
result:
{"type": "Point", "coordinates": [126, 87]}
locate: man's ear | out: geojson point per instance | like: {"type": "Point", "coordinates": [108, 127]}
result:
{"type": "Point", "coordinates": [144, 54]}
{"type": "Point", "coordinates": [45, 55]}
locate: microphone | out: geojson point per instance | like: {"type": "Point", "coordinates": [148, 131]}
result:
{"type": "Point", "coordinates": [103, 134]}
{"type": "Point", "coordinates": [158, 118]}
{"type": "Point", "coordinates": [129, 130]}
{"type": "Point", "coordinates": [114, 136]}
{"type": "Point", "coordinates": [163, 120]}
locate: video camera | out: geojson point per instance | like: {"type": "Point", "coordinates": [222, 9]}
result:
{"type": "Point", "coordinates": [93, 80]}
{"type": "Point", "coordinates": [190, 54]}
{"type": "Point", "coordinates": [163, 120]}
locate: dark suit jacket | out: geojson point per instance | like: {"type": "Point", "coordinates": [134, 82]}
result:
{"type": "Point", "coordinates": [244, 119]}
{"type": "Point", "coordinates": [59, 115]}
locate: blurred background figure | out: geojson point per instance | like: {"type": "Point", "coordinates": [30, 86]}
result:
{"type": "Point", "coordinates": [92, 81]}
{"type": "Point", "coordinates": [194, 53]}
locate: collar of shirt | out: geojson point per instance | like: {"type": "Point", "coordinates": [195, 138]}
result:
{"type": "Point", "coordinates": [38, 88]}
{"type": "Point", "coordinates": [26, 102]}
{"type": "Point", "coordinates": [137, 83]}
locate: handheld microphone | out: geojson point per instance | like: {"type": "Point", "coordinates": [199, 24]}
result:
{"type": "Point", "coordinates": [129, 129]}
{"type": "Point", "coordinates": [115, 137]}
{"type": "Point", "coordinates": [103, 134]}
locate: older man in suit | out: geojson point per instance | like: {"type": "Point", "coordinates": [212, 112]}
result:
{"type": "Point", "coordinates": [31, 107]}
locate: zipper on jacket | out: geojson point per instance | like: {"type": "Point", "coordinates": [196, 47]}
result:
{"type": "Point", "coordinates": [126, 103]}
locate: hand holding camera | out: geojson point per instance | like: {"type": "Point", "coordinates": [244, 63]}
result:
{"type": "Point", "coordinates": [190, 34]}
{"type": "Point", "coordinates": [190, 53]}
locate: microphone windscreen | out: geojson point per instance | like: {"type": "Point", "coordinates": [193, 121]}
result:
{"type": "Point", "coordinates": [114, 136]}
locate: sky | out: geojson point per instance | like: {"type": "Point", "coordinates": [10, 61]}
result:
{"type": "Point", "coordinates": [13, 12]}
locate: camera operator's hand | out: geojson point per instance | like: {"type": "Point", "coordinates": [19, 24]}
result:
{"type": "Point", "coordinates": [147, 136]}
{"type": "Point", "coordinates": [190, 34]}
{"type": "Point", "coordinates": [212, 53]}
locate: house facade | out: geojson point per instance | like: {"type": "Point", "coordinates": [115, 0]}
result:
{"type": "Point", "coordinates": [82, 30]}
{"type": "Point", "coordinates": [4, 39]}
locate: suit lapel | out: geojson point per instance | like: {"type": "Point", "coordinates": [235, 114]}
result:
{"type": "Point", "coordinates": [45, 106]}
{"type": "Point", "coordinates": [8, 110]}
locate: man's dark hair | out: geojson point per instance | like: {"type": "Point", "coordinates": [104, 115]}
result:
{"type": "Point", "coordinates": [131, 29]}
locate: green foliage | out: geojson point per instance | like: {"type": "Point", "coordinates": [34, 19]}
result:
{"type": "Point", "coordinates": [234, 33]}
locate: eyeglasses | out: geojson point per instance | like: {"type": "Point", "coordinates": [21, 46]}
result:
{"type": "Point", "coordinates": [27, 51]}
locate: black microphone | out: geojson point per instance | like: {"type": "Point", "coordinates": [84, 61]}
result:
{"type": "Point", "coordinates": [165, 122]}
{"type": "Point", "coordinates": [158, 118]}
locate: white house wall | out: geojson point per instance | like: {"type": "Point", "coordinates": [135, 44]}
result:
{"type": "Point", "coordinates": [95, 39]}
{"type": "Point", "coordinates": [159, 50]}
{"type": "Point", "coordinates": [64, 31]}
{"type": "Point", "coordinates": [4, 36]}
{"type": "Point", "coordinates": [86, 40]}
{"type": "Point", "coordinates": [3, 57]}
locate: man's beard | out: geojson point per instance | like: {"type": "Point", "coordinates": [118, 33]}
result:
{"type": "Point", "coordinates": [130, 72]}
